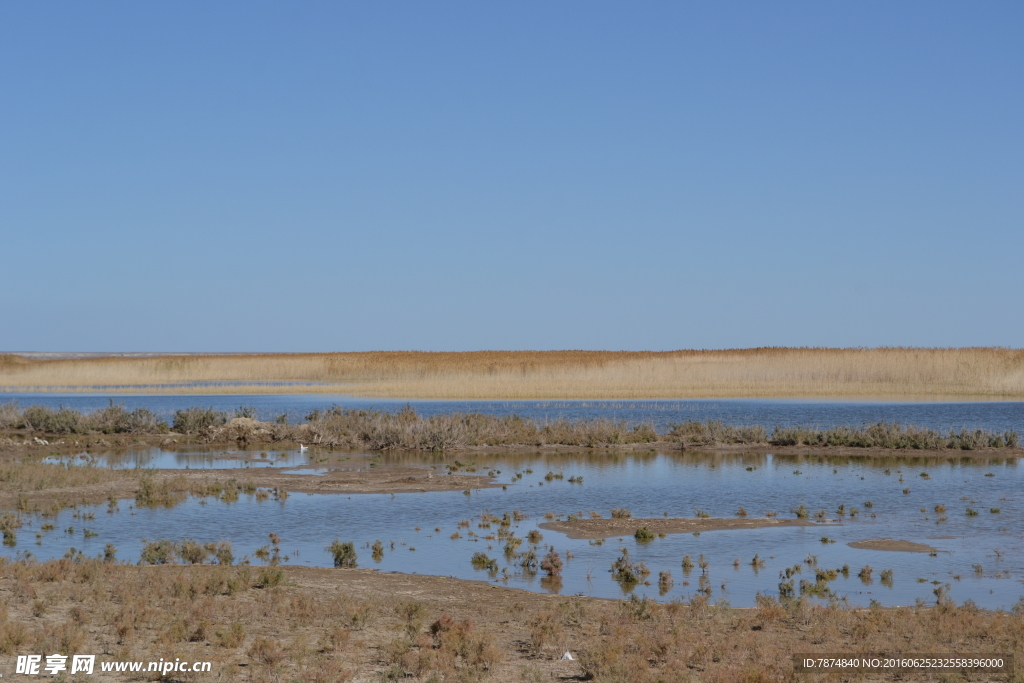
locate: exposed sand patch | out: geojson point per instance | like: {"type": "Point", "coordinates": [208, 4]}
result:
{"type": "Point", "coordinates": [604, 528]}
{"type": "Point", "coordinates": [892, 544]}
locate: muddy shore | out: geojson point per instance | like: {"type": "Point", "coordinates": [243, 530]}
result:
{"type": "Point", "coordinates": [606, 528]}
{"type": "Point", "coordinates": [894, 545]}
{"type": "Point", "coordinates": [121, 484]}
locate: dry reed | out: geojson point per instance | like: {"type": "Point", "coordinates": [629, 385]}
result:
{"type": "Point", "coordinates": [903, 373]}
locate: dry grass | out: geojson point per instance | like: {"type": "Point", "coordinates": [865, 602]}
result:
{"type": "Point", "coordinates": [339, 625]}
{"type": "Point", "coordinates": [902, 373]}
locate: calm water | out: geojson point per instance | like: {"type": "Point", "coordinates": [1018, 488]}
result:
{"type": "Point", "coordinates": [157, 458]}
{"type": "Point", "coordinates": [649, 484]}
{"type": "Point", "coordinates": [993, 416]}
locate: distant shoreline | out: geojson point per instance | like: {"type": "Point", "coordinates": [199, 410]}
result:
{"type": "Point", "coordinates": [883, 374]}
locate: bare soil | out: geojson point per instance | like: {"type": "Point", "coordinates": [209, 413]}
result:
{"type": "Point", "coordinates": [605, 528]}
{"type": "Point", "coordinates": [892, 544]}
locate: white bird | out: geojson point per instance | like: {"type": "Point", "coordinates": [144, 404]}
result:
{"type": "Point", "coordinates": [567, 656]}
{"type": "Point", "coordinates": [303, 449]}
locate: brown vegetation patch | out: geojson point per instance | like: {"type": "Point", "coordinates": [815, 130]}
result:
{"type": "Point", "coordinates": [892, 544]}
{"type": "Point", "coordinates": [405, 429]}
{"type": "Point", "coordinates": [323, 625]}
{"type": "Point", "coordinates": [604, 528]}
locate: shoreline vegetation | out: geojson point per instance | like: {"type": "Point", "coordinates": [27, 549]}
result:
{"type": "Point", "coordinates": [323, 625]}
{"type": "Point", "coordinates": [879, 373]}
{"type": "Point", "coordinates": [405, 429]}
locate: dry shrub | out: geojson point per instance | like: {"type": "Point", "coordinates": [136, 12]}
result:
{"type": "Point", "coordinates": [768, 610]}
{"type": "Point", "coordinates": [338, 639]}
{"type": "Point", "coordinates": [266, 651]}
{"type": "Point", "coordinates": [603, 659]}
{"type": "Point", "coordinates": [457, 645]}
{"type": "Point", "coordinates": [324, 669]}
{"type": "Point", "coordinates": [142, 608]}
{"type": "Point", "coordinates": [13, 636]}
{"type": "Point", "coordinates": [66, 638]}
{"type": "Point", "coordinates": [546, 630]}
{"type": "Point", "coordinates": [231, 636]}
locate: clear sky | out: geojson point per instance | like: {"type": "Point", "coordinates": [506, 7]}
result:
{"type": "Point", "coordinates": [218, 176]}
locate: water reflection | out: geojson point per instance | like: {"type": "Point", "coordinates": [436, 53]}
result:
{"type": "Point", "coordinates": [158, 458]}
{"type": "Point", "coordinates": [926, 500]}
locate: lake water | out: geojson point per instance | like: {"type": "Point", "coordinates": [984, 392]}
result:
{"type": "Point", "coordinates": [992, 416]}
{"type": "Point", "coordinates": [650, 485]}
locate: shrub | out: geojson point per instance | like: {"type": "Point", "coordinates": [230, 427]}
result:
{"type": "Point", "coordinates": [159, 552]}
{"type": "Point", "coordinates": [60, 421]}
{"type": "Point", "coordinates": [481, 561]}
{"type": "Point", "coordinates": [266, 651]}
{"type": "Point", "coordinates": [344, 554]}
{"type": "Point", "coordinates": [644, 535]}
{"type": "Point", "coordinates": [552, 563]}
{"type": "Point", "coordinates": [195, 420]}
{"type": "Point", "coordinates": [221, 551]}
{"type": "Point", "coordinates": [109, 553]}
{"type": "Point", "coordinates": [269, 577]}
{"type": "Point", "coordinates": [191, 552]}
{"type": "Point", "coordinates": [232, 636]}
{"type": "Point", "coordinates": [628, 572]}
{"type": "Point", "coordinates": [10, 415]}
{"type": "Point", "coordinates": [115, 419]}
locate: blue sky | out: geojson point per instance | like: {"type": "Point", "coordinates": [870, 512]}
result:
{"type": "Point", "coordinates": [454, 176]}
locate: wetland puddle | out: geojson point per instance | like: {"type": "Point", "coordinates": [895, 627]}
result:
{"type": "Point", "coordinates": [159, 459]}
{"type": "Point", "coordinates": [969, 511]}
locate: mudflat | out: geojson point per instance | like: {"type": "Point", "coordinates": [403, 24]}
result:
{"type": "Point", "coordinates": [102, 484]}
{"type": "Point", "coordinates": [605, 528]}
{"type": "Point", "coordinates": [893, 545]}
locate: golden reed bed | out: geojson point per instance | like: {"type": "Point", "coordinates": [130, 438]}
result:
{"type": "Point", "coordinates": [890, 373]}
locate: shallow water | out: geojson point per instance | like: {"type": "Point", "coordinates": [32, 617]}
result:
{"type": "Point", "coordinates": [650, 485]}
{"type": "Point", "coordinates": [158, 458]}
{"type": "Point", "coordinates": [992, 416]}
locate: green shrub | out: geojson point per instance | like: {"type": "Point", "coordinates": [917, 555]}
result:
{"type": "Point", "coordinates": [159, 552]}
{"type": "Point", "coordinates": [344, 554]}
{"type": "Point", "coordinates": [481, 561]}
